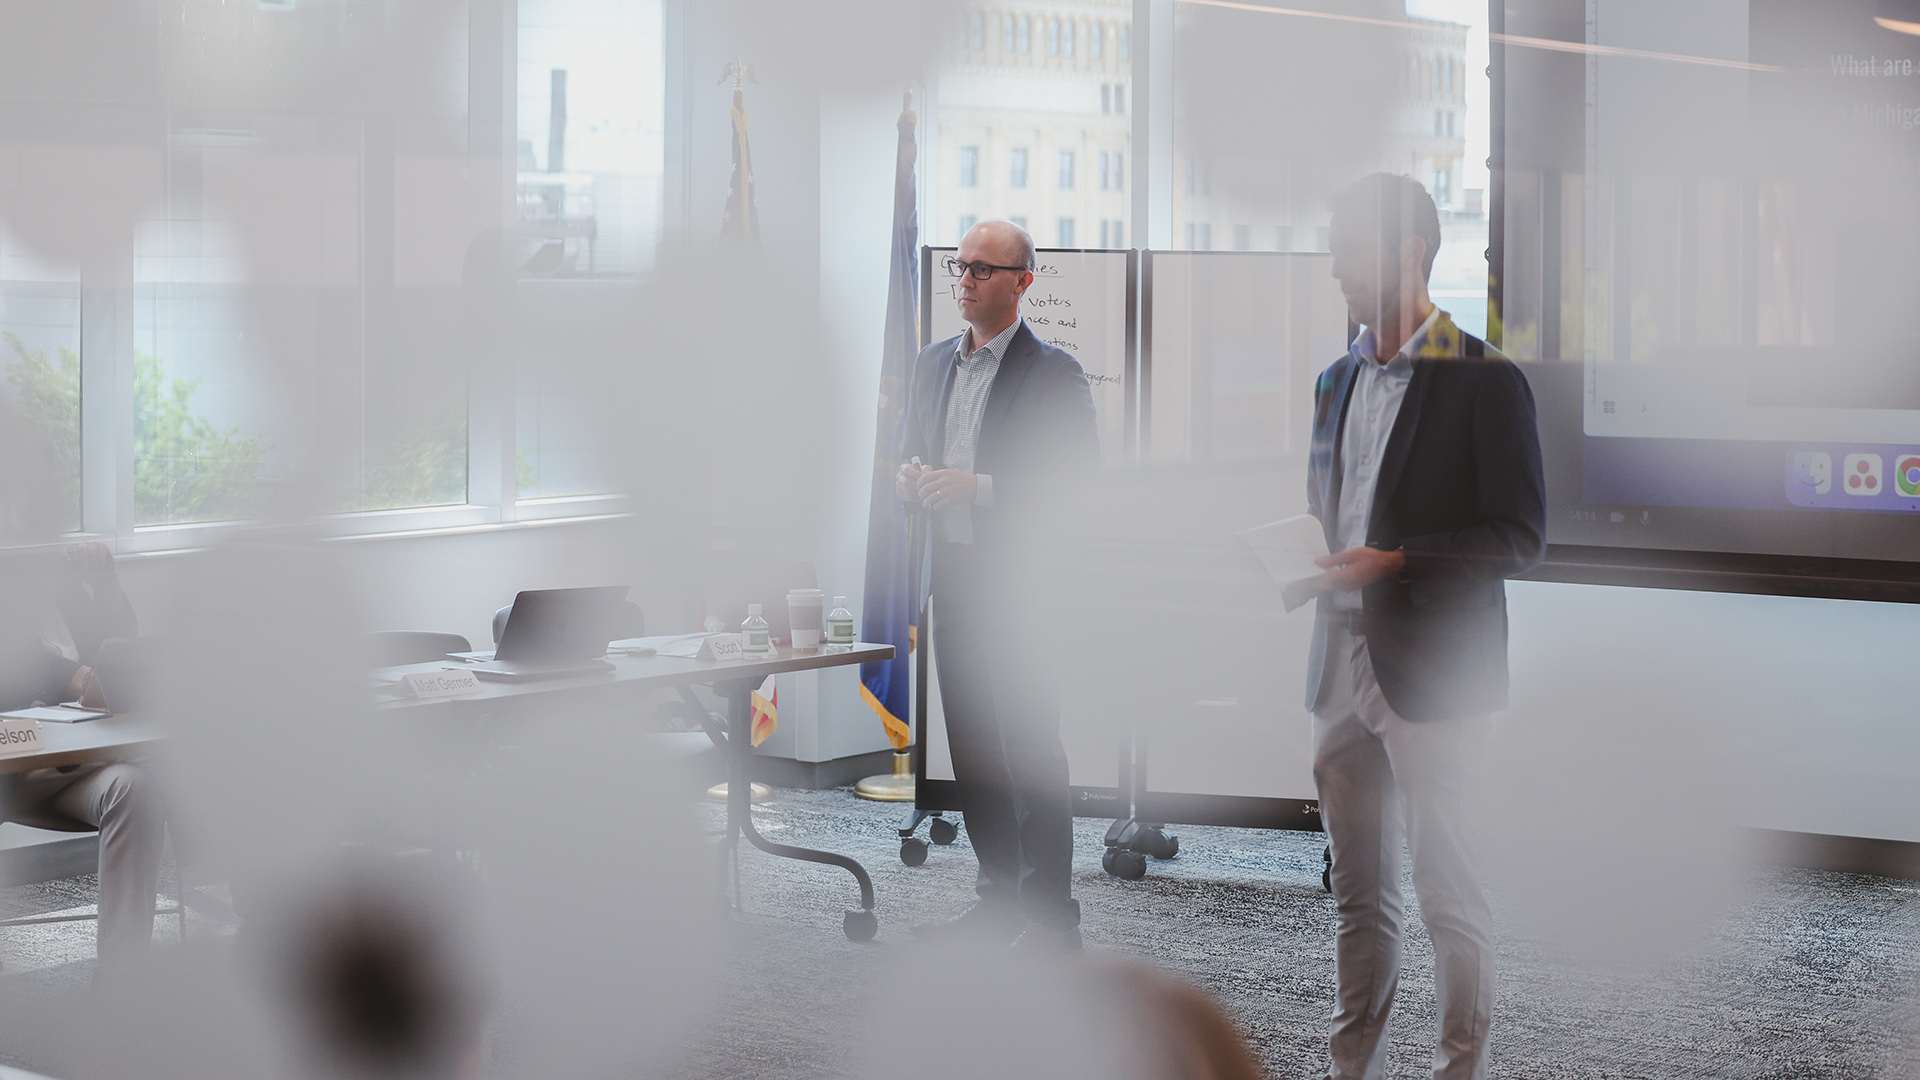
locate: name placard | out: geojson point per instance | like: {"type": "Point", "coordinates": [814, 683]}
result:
{"type": "Point", "coordinates": [434, 684]}
{"type": "Point", "coordinates": [721, 647]}
{"type": "Point", "coordinates": [20, 737]}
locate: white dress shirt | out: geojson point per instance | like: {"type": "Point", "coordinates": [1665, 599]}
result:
{"type": "Point", "coordinates": [966, 406]}
{"type": "Point", "coordinates": [1372, 407]}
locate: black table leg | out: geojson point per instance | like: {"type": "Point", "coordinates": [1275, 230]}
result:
{"type": "Point", "coordinates": [860, 925]}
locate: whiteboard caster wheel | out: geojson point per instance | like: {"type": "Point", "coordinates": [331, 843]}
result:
{"type": "Point", "coordinates": [861, 925]}
{"type": "Point", "coordinates": [1123, 864]}
{"type": "Point", "coordinates": [1156, 843]}
{"type": "Point", "coordinates": [943, 832]}
{"type": "Point", "coordinates": [913, 851]}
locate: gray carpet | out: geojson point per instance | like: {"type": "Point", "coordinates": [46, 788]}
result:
{"type": "Point", "coordinates": [1805, 975]}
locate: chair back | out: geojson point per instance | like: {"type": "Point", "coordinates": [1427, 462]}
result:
{"type": "Point", "coordinates": [392, 648]}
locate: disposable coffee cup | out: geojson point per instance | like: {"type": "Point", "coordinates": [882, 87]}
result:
{"type": "Point", "coordinates": [806, 617]}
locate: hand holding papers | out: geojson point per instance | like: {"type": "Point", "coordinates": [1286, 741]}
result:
{"type": "Point", "coordinates": [1288, 549]}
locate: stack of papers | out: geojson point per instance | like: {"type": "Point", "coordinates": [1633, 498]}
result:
{"type": "Point", "coordinates": [1287, 549]}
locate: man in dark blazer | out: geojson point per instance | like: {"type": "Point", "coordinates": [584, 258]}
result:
{"type": "Point", "coordinates": [1425, 472]}
{"type": "Point", "coordinates": [1000, 434]}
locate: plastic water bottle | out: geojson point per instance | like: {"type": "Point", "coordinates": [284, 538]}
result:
{"type": "Point", "coordinates": [839, 623]}
{"type": "Point", "coordinates": [755, 638]}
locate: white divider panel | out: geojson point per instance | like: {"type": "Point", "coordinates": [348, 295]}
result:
{"type": "Point", "coordinates": [1078, 302]}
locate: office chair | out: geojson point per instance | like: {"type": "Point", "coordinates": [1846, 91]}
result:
{"type": "Point", "coordinates": [630, 623]}
{"type": "Point", "coordinates": [392, 648]}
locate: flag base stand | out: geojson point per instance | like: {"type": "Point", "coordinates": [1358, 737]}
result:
{"type": "Point", "coordinates": [761, 794]}
{"type": "Point", "coordinates": [895, 788]}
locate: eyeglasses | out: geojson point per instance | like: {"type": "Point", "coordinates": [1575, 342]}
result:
{"type": "Point", "coordinates": [981, 271]}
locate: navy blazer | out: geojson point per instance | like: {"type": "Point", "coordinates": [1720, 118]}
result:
{"type": "Point", "coordinates": [1461, 491]}
{"type": "Point", "coordinates": [1037, 436]}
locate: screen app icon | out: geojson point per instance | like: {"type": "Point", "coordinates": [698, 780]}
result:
{"type": "Point", "coordinates": [1906, 473]}
{"type": "Point", "coordinates": [1862, 473]}
{"type": "Point", "coordinates": [1812, 472]}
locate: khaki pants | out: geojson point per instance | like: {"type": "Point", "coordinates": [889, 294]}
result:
{"type": "Point", "coordinates": [1383, 781]}
{"type": "Point", "coordinates": [119, 801]}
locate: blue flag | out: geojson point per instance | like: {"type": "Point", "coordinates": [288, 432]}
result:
{"type": "Point", "coordinates": [890, 595]}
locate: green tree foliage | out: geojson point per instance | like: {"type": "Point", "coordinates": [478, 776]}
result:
{"type": "Point", "coordinates": [48, 394]}
{"type": "Point", "coordinates": [424, 465]}
{"type": "Point", "coordinates": [185, 468]}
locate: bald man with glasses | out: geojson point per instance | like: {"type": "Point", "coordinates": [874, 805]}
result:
{"type": "Point", "coordinates": [1000, 436]}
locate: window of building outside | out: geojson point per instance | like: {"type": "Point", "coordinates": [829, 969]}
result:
{"type": "Point", "coordinates": [969, 166]}
{"type": "Point", "coordinates": [967, 221]}
{"type": "Point", "coordinates": [1126, 42]}
{"type": "Point", "coordinates": [1026, 35]}
{"type": "Point", "coordinates": [1243, 238]}
{"type": "Point", "coordinates": [1032, 116]}
{"type": "Point", "coordinates": [977, 31]}
{"type": "Point", "coordinates": [1435, 129]}
{"type": "Point", "coordinates": [1006, 33]}
{"type": "Point", "coordinates": [40, 355]}
{"type": "Point", "coordinates": [591, 145]}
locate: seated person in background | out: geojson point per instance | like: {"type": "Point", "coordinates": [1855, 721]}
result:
{"type": "Point", "coordinates": [55, 610]}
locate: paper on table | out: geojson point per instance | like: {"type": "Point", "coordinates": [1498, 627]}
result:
{"type": "Point", "coordinates": [686, 646]}
{"type": "Point", "coordinates": [1287, 548]}
{"type": "Point", "coordinates": [58, 714]}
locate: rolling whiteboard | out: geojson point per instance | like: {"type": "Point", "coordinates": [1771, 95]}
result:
{"type": "Point", "coordinates": [1234, 340]}
{"type": "Point", "coordinates": [1080, 301]}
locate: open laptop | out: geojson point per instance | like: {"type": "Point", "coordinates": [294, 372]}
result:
{"type": "Point", "coordinates": [555, 633]}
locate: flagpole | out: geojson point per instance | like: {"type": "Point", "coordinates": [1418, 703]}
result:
{"type": "Point", "coordinates": [898, 786]}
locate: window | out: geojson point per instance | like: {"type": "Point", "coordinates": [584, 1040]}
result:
{"type": "Point", "coordinates": [1199, 236]}
{"type": "Point", "coordinates": [1066, 232]}
{"type": "Point", "coordinates": [40, 357]}
{"type": "Point", "coordinates": [1067, 33]}
{"type": "Point", "coordinates": [591, 128]}
{"type": "Point", "coordinates": [1321, 241]}
{"type": "Point", "coordinates": [1112, 233]}
{"type": "Point", "coordinates": [1053, 37]}
{"type": "Point", "coordinates": [1126, 43]}
{"type": "Point", "coordinates": [1243, 238]}
{"type": "Point", "coordinates": [1443, 187]}
{"type": "Point", "coordinates": [1019, 219]}
{"type": "Point", "coordinates": [1104, 165]}
{"type": "Point", "coordinates": [1097, 41]}
{"type": "Point", "coordinates": [1439, 124]}
{"type": "Point", "coordinates": [977, 31]}
{"type": "Point", "coordinates": [1031, 133]}
{"type": "Point", "coordinates": [1283, 238]}
{"type": "Point", "coordinates": [1026, 35]}
{"type": "Point", "coordinates": [1006, 33]}
{"type": "Point", "coordinates": [967, 221]}
{"type": "Point", "coordinates": [1106, 99]}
